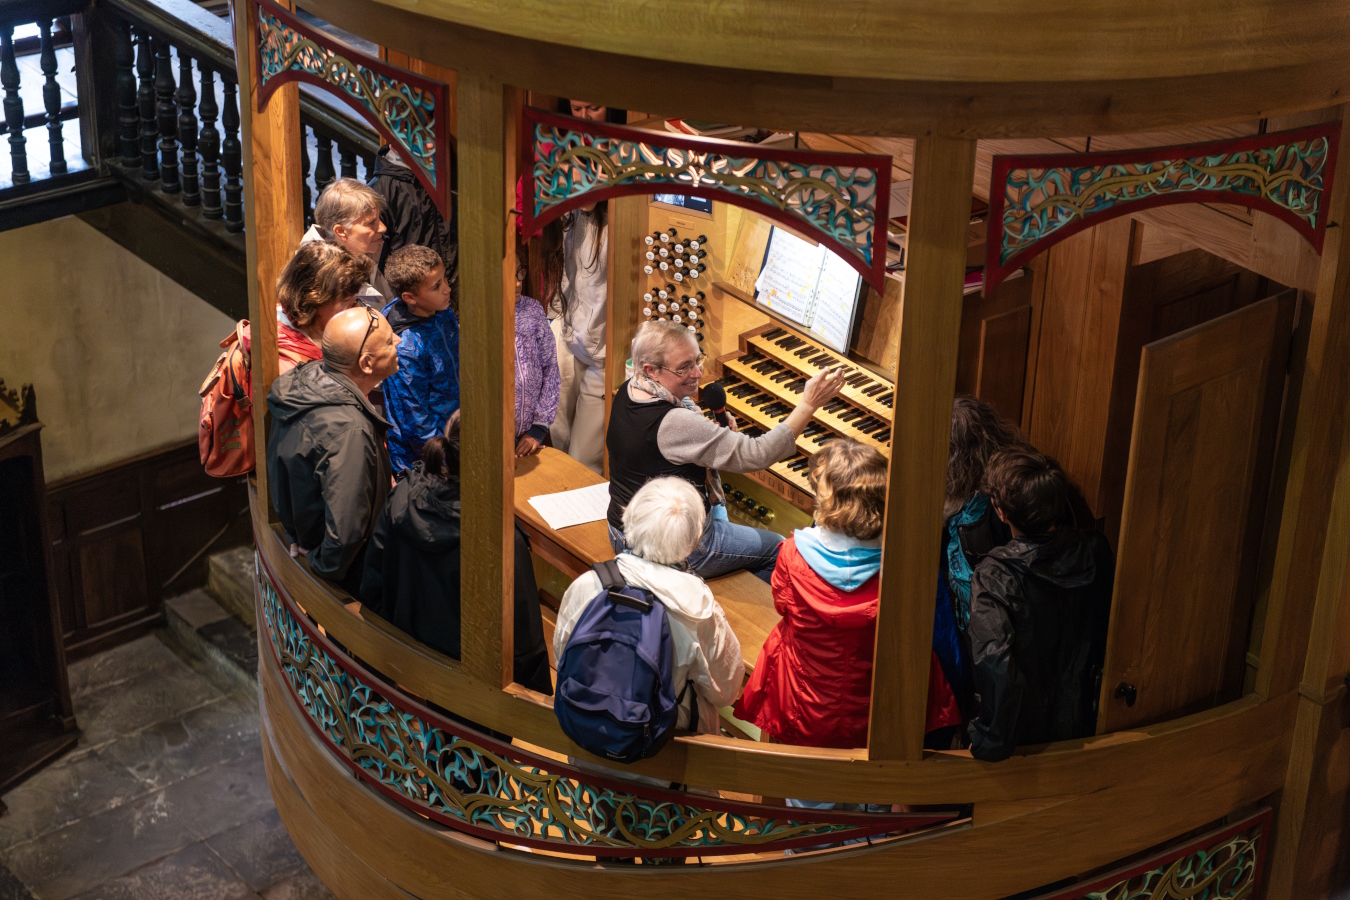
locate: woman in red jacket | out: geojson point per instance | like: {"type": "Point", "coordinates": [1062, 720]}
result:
{"type": "Point", "coordinates": [812, 685]}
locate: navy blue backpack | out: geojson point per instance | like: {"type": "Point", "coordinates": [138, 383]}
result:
{"type": "Point", "coordinates": [615, 696]}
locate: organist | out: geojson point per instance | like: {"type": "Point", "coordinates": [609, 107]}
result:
{"type": "Point", "coordinates": [656, 430]}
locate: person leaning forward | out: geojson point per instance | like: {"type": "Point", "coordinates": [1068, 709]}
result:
{"type": "Point", "coordinates": [656, 430]}
{"type": "Point", "coordinates": [327, 464]}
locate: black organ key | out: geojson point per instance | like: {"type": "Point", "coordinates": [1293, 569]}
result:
{"type": "Point", "coordinates": [818, 361]}
{"type": "Point", "coordinates": [883, 437]}
{"type": "Point", "coordinates": [806, 351]}
{"type": "Point", "coordinates": [874, 390]}
{"type": "Point", "coordinates": [797, 386]}
{"type": "Point", "coordinates": [887, 399]}
{"type": "Point", "coordinates": [774, 333]}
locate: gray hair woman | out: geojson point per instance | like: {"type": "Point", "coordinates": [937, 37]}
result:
{"type": "Point", "coordinates": [664, 524]}
{"type": "Point", "coordinates": [347, 213]}
{"type": "Point", "coordinates": [656, 430]}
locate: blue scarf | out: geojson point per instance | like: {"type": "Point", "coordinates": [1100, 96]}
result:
{"type": "Point", "coordinates": [958, 568]}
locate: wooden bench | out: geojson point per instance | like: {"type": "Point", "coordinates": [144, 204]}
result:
{"type": "Point", "coordinates": [747, 601]}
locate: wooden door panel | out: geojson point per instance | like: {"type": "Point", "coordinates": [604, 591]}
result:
{"type": "Point", "coordinates": [1002, 367]}
{"type": "Point", "coordinates": [112, 573]}
{"type": "Point", "coordinates": [1207, 406]}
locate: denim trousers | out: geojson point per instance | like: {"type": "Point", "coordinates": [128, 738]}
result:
{"type": "Point", "coordinates": [724, 548]}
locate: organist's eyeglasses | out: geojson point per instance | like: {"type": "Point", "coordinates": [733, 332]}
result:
{"type": "Point", "coordinates": [682, 371]}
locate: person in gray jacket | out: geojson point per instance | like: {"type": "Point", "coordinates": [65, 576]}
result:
{"type": "Point", "coordinates": [327, 464]}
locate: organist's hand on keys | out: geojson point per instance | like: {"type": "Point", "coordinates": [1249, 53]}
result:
{"type": "Point", "coordinates": [820, 390]}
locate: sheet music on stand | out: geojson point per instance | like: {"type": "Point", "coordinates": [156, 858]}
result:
{"type": "Point", "coordinates": [809, 285]}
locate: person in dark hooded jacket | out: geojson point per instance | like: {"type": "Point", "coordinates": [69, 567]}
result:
{"type": "Point", "coordinates": [1039, 610]}
{"type": "Point", "coordinates": [412, 567]}
{"type": "Point", "coordinates": [411, 217]}
{"type": "Point", "coordinates": [327, 466]}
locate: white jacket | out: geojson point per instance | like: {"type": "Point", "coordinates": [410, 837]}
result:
{"type": "Point", "coordinates": [585, 283]}
{"type": "Point", "coordinates": [707, 651]}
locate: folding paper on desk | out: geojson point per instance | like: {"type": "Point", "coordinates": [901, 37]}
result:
{"type": "Point", "coordinates": [568, 508]}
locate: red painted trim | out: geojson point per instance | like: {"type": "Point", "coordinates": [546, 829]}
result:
{"type": "Point", "coordinates": [1262, 817]}
{"type": "Point", "coordinates": [530, 225]}
{"type": "Point", "coordinates": [867, 824]}
{"type": "Point", "coordinates": [995, 270]}
{"type": "Point", "coordinates": [439, 91]}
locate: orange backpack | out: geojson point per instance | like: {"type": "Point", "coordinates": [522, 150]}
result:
{"type": "Point", "coordinates": [225, 432]}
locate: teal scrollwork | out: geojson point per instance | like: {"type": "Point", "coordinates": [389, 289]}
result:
{"type": "Point", "coordinates": [1223, 865]}
{"type": "Point", "coordinates": [1038, 200]}
{"type": "Point", "coordinates": [408, 110]}
{"type": "Point", "coordinates": [496, 791]}
{"type": "Point", "coordinates": [841, 198]}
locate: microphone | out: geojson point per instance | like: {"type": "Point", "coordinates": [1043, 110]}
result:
{"type": "Point", "coordinates": [713, 398]}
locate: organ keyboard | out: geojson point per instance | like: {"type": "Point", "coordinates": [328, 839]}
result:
{"type": "Point", "coordinates": [764, 383]}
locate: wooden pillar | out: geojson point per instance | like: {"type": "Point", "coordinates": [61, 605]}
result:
{"type": "Point", "coordinates": [925, 378]}
{"type": "Point", "coordinates": [1319, 449]}
{"type": "Point", "coordinates": [272, 218]}
{"type": "Point", "coordinates": [489, 118]}
{"type": "Point", "coordinates": [1308, 625]}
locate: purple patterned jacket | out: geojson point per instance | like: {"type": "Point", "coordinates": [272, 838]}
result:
{"type": "Point", "coordinates": [537, 377]}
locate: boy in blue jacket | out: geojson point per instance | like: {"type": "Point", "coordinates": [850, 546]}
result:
{"type": "Point", "coordinates": [421, 397]}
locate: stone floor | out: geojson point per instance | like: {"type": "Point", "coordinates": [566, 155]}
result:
{"type": "Point", "coordinates": [164, 797]}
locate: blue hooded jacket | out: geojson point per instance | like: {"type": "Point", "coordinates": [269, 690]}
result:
{"type": "Point", "coordinates": [421, 395]}
{"type": "Point", "coordinates": [846, 568]}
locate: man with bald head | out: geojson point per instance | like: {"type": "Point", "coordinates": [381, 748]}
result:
{"type": "Point", "coordinates": [326, 460]}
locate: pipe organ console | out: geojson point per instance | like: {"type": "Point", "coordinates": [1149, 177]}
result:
{"type": "Point", "coordinates": [764, 383]}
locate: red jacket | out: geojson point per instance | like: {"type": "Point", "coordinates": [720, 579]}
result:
{"type": "Point", "coordinates": [812, 685]}
{"type": "Point", "coordinates": [293, 348]}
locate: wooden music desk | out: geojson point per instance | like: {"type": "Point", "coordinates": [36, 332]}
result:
{"type": "Point", "coordinates": [747, 601]}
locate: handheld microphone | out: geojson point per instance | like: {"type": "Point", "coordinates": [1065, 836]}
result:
{"type": "Point", "coordinates": [713, 398]}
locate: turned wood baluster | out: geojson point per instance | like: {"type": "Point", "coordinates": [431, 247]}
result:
{"type": "Point", "coordinates": [145, 104]}
{"type": "Point", "coordinates": [51, 98]}
{"type": "Point", "coordinates": [347, 162]}
{"type": "Point", "coordinates": [187, 130]}
{"type": "Point", "coordinates": [209, 144]}
{"type": "Point", "coordinates": [324, 175]}
{"type": "Point", "coordinates": [166, 113]}
{"type": "Point", "coordinates": [306, 197]}
{"type": "Point", "coordinates": [128, 122]}
{"type": "Point", "coordinates": [9, 79]}
{"type": "Point", "coordinates": [368, 164]}
{"type": "Point", "coordinates": [232, 158]}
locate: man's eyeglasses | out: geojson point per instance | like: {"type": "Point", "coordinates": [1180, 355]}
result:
{"type": "Point", "coordinates": [369, 328]}
{"type": "Point", "coordinates": [684, 370]}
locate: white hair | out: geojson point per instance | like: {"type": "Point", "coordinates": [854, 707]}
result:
{"type": "Point", "coordinates": [655, 339]}
{"type": "Point", "coordinates": [664, 521]}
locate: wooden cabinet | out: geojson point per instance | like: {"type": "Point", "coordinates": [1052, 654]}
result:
{"type": "Point", "coordinates": [36, 721]}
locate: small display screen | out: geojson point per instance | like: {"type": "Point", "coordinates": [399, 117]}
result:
{"type": "Point", "coordinates": [695, 203]}
{"type": "Point", "coordinates": [811, 287]}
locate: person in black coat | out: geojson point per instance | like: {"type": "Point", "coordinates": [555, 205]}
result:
{"type": "Point", "coordinates": [411, 575]}
{"type": "Point", "coordinates": [410, 215]}
{"type": "Point", "coordinates": [1039, 610]}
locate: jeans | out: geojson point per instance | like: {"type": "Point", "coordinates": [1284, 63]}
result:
{"type": "Point", "coordinates": [724, 548]}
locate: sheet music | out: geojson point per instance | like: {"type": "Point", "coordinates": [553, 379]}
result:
{"type": "Point", "coordinates": [836, 296]}
{"type": "Point", "coordinates": [568, 508]}
{"type": "Point", "coordinates": [787, 283]}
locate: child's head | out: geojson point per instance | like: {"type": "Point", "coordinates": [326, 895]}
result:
{"type": "Point", "coordinates": [320, 280]}
{"type": "Point", "coordinates": [416, 274]}
{"type": "Point", "coordinates": [440, 457]}
{"type": "Point", "coordinates": [849, 480]}
{"type": "Point", "coordinates": [977, 434]}
{"type": "Point", "coordinates": [1028, 489]}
